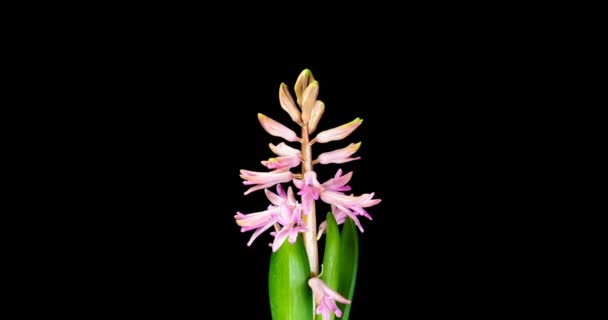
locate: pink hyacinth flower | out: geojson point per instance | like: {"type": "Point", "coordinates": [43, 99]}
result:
{"type": "Point", "coordinates": [263, 180]}
{"type": "Point", "coordinates": [338, 182]}
{"type": "Point", "coordinates": [276, 129]}
{"type": "Point", "coordinates": [283, 205]}
{"type": "Point", "coordinates": [343, 206]}
{"type": "Point", "coordinates": [309, 190]}
{"type": "Point", "coordinates": [282, 162]}
{"type": "Point", "coordinates": [281, 197]}
{"type": "Point", "coordinates": [350, 205]}
{"type": "Point", "coordinates": [288, 157]}
{"type": "Point", "coordinates": [325, 298]}
{"type": "Point", "coordinates": [340, 155]}
{"type": "Point", "coordinates": [282, 149]}
{"type": "Point", "coordinates": [338, 133]}
{"type": "Point", "coordinates": [260, 221]}
{"type": "Point", "coordinates": [291, 221]}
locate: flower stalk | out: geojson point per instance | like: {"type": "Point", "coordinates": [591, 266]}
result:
{"type": "Point", "coordinates": [310, 236]}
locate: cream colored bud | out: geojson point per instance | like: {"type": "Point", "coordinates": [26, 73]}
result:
{"type": "Point", "coordinates": [309, 97]}
{"type": "Point", "coordinates": [315, 116]}
{"type": "Point", "coordinates": [288, 104]}
{"type": "Point", "coordinates": [304, 79]}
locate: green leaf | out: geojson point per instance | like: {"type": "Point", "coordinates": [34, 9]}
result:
{"type": "Point", "coordinates": [290, 296]}
{"type": "Point", "coordinates": [331, 260]}
{"type": "Point", "coordinates": [349, 259]}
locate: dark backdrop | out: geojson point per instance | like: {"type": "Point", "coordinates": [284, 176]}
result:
{"type": "Point", "coordinates": [182, 122]}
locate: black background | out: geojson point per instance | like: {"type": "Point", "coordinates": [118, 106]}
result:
{"type": "Point", "coordinates": [177, 120]}
{"type": "Point", "coordinates": [136, 121]}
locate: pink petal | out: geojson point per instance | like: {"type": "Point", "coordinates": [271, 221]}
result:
{"type": "Point", "coordinates": [339, 214]}
{"type": "Point", "coordinates": [338, 183]}
{"type": "Point", "coordinates": [296, 215]}
{"type": "Point", "coordinates": [280, 191]}
{"type": "Point", "coordinates": [291, 198]}
{"type": "Point", "coordinates": [273, 198]}
{"type": "Point", "coordinates": [258, 187]}
{"type": "Point", "coordinates": [283, 149]}
{"type": "Point", "coordinates": [338, 133]}
{"type": "Point", "coordinates": [293, 235]}
{"type": "Point", "coordinates": [265, 179]}
{"type": "Point", "coordinates": [276, 129]}
{"type": "Point", "coordinates": [283, 215]}
{"type": "Point", "coordinates": [298, 183]}
{"type": "Point", "coordinates": [258, 232]}
{"type": "Point", "coordinates": [322, 228]}
{"type": "Point", "coordinates": [335, 295]}
{"type": "Point", "coordinates": [279, 238]}
{"type": "Point", "coordinates": [340, 155]}
{"type": "Point", "coordinates": [283, 162]}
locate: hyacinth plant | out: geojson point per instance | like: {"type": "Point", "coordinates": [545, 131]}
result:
{"type": "Point", "coordinates": [298, 289]}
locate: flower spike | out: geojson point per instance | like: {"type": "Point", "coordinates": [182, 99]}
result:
{"type": "Point", "coordinates": [291, 216]}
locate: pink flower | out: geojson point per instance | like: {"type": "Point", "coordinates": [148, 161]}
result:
{"type": "Point", "coordinates": [340, 155]}
{"type": "Point", "coordinates": [342, 205]}
{"type": "Point", "coordinates": [281, 197]}
{"type": "Point", "coordinates": [349, 205]}
{"type": "Point", "coordinates": [276, 129]}
{"type": "Point", "coordinates": [263, 180]}
{"type": "Point", "coordinates": [282, 162]}
{"type": "Point", "coordinates": [309, 190]}
{"type": "Point", "coordinates": [325, 298]}
{"type": "Point", "coordinates": [338, 133]}
{"type": "Point", "coordinates": [260, 221]}
{"type": "Point", "coordinates": [338, 182]}
{"type": "Point", "coordinates": [289, 157]}
{"type": "Point", "coordinates": [282, 149]}
{"type": "Point", "coordinates": [291, 220]}
{"type": "Point", "coordinates": [283, 207]}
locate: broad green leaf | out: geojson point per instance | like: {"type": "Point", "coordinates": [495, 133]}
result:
{"type": "Point", "coordinates": [331, 262]}
{"type": "Point", "coordinates": [349, 259]}
{"type": "Point", "coordinates": [290, 296]}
